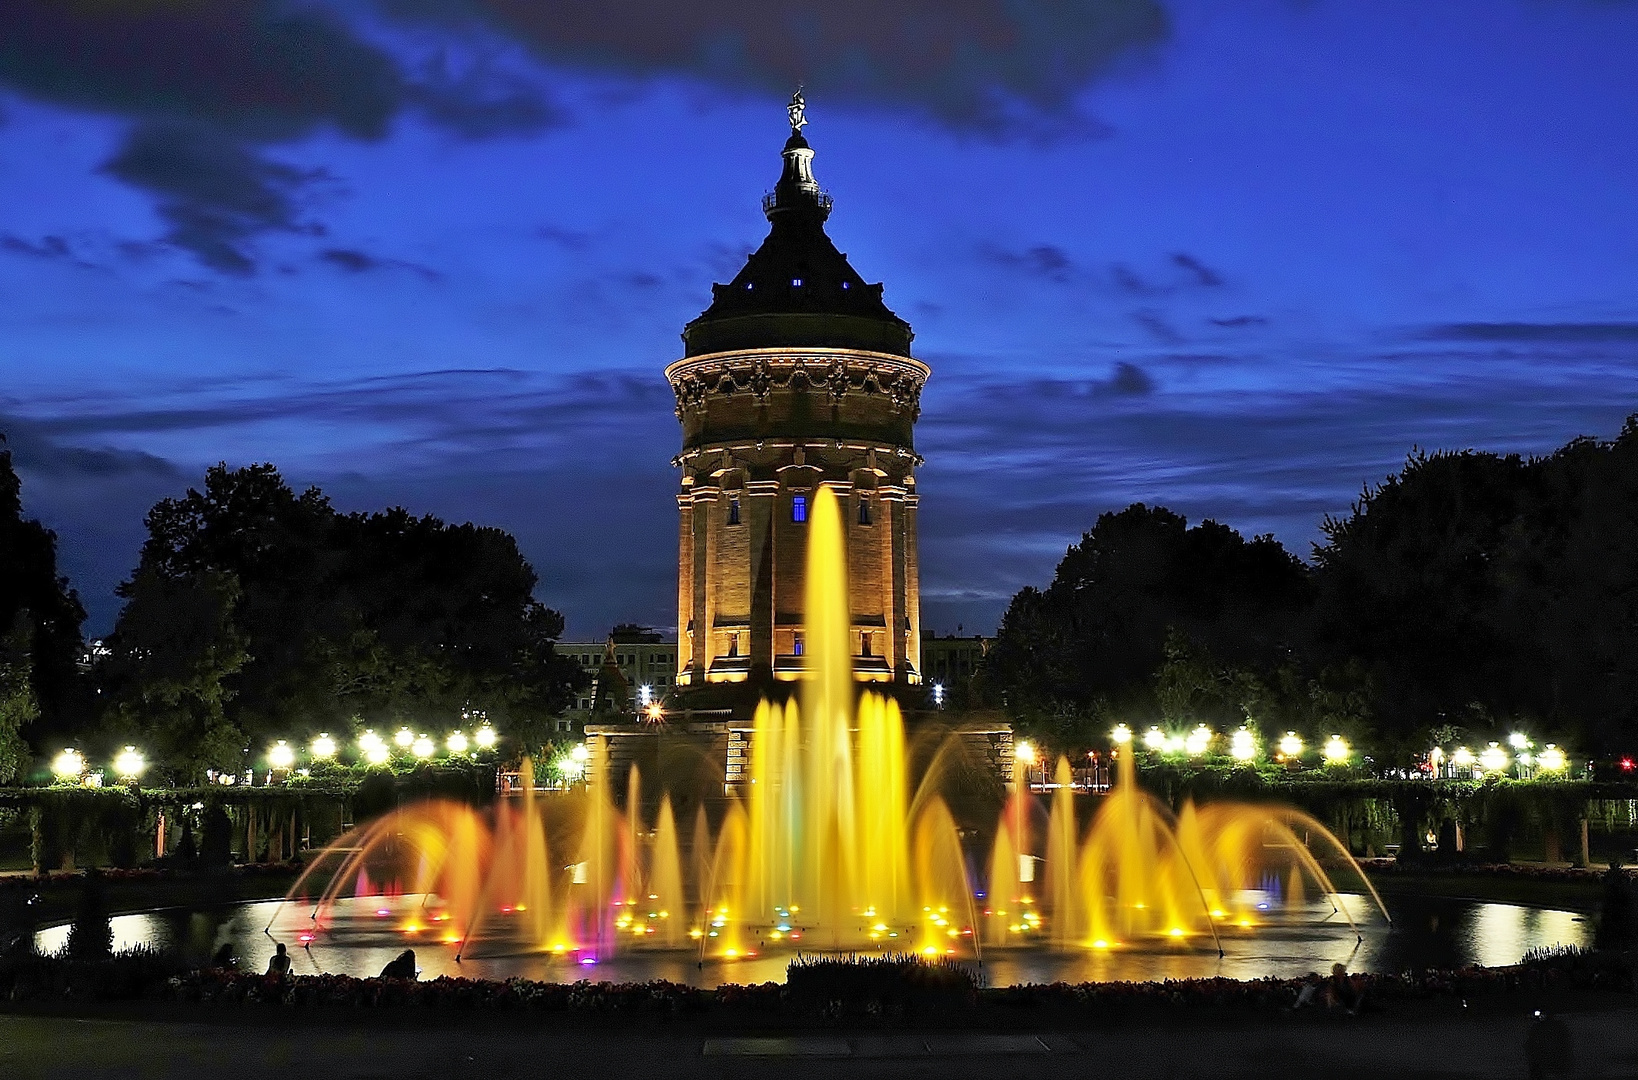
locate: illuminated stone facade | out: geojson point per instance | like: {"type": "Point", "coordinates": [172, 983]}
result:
{"type": "Point", "coordinates": [796, 377]}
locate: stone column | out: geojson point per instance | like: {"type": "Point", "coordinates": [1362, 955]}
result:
{"type": "Point", "coordinates": [761, 497]}
{"type": "Point", "coordinates": [685, 587]}
{"type": "Point", "coordinates": [704, 571]}
{"type": "Point", "coordinates": [894, 610]}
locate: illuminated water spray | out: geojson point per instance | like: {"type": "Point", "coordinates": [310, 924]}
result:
{"type": "Point", "coordinates": [831, 843]}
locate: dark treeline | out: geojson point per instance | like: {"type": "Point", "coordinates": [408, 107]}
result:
{"type": "Point", "coordinates": [258, 613]}
{"type": "Point", "coordinates": [1468, 595]}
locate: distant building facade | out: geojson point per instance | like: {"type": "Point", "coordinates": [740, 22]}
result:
{"type": "Point", "coordinates": [639, 661]}
{"type": "Point", "coordinates": [951, 662]}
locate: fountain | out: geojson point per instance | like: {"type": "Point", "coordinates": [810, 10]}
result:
{"type": "Point", "coordinates": [832, 845]}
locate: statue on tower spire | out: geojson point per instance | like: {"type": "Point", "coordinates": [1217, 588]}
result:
{"type": "Point", "coordinates": [796, 111]}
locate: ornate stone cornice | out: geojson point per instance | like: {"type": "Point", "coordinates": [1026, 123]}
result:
{"type": "Point", "coordinates": [837, 372]}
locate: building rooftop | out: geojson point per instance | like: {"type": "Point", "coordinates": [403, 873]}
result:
{"type": "Point", "coordinates": [797, 289]}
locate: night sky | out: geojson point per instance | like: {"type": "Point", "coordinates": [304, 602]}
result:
{"type": "Point", "coordinates": [1238, 259]}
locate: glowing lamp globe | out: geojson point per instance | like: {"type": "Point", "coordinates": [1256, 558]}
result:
{"type": "Point", "coordinates": [1519, 741]}
{"type": "Point", "coordinates": [485, 738]}
{"type": "Point", "coordinates": [280, 756]}
{"type": "Point", "coordinates": [457, 742]}
{"type": "Point", "coordinates": [1336, 750]}
{"type": "Point", "coordinates": [1154, 739]}
{"type": "Point", "coordinates": [1493, 758]}
{"type": "Point", "coordinates": [1462, 758]}
{"type": "Point", "coordinates": [1552, 759]}
{"type": "Point", "coordinates": [404, 738]}
{"type": "Point", "coordinates": [324, 747]}
{"type": "Point", "coordinates": [654, 712]}
{"type": "Point", "coordinates": [377, 753]}
{"type": "Point", "coordinates": [569, 768]}
{"type": "Point", "coordinates": [68, 765]}
{"type": "Point", "coordinates": [129, 763]}
{"type": "Point", "coordinates": [1242, 746]}
{"type": "Point", "coordinates": [580, 752]}
{"type": "Point", "coordinates": [1291, 744]}
{"type": "Point", "coordinates": [1121, 735]}
{"type": "Point", "coordinates": [423, 747]}
{"type": "Point", "coordinates": [1198, 741]}
{"type": "Point", "coordinates": [1024, 752]}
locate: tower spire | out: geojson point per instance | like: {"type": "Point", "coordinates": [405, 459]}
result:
{"type": "Point", "coordinates": [797, 190]}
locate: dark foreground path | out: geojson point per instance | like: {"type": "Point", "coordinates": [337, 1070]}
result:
{"type": "Point", "coordinates": [1321, 1048]}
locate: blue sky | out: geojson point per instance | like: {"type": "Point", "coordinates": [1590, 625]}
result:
{"type": "Point", "coordinates": [1238, 259]}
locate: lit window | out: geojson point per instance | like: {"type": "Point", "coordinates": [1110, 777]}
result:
{"type": "Point", "coordinates": [796, 281]}
{"type": "Point", "coordinates": [845, 285]}
{"type": "Point", "coordinates": [796, 644]}
{"type": "Point", "coordinates": [864, 644]}
{"type": "Point", "coordinates": [864, 511]}
{"type": "Point", "coordinates": [799, 508]}
{"type": "Point", "coordinates": [733, 644]}
{"type": "Point", "coordinates": [750, 285]}
{"type": "Point", "coordinates": [733, 511]}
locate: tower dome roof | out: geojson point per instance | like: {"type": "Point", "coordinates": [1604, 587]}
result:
{"type": "Point", "coordinates": [797, 289]}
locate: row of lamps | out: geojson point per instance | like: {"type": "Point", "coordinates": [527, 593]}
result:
{"type": "Point", "coordinates": [1242, 744]}
{"type": "Point", "coordinates": [129, 764]}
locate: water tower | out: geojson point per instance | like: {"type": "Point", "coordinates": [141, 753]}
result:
{"type": "Point", "coordinates": [797, 376]}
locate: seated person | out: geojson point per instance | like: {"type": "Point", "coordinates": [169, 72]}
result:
{"type": "Point", "coordinates": [401, 968]}
{"type": "Point", "coordinates": [279, 963]}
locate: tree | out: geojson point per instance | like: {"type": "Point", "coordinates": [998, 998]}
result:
{"type": "Point", "coordinates": [386, 617]}
{"type": "Point", "coordinates": [1086, 651]}
{"type": "Point", "coordinates": [19, 709]}
{"type": "Point", "coordinates": [31, 589]}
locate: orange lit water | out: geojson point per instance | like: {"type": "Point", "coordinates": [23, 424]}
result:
{"type": "Point", "coordinates": [828, 847]}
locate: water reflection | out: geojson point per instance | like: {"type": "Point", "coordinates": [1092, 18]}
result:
{"type": "Point", "coordinates": [1426, 932]}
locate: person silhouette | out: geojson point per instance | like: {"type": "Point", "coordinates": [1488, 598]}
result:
{"type": "Point", "coordinates": [279, 963]}
{"type": "Point", "coordinates": [1548, 1048]}
{"type": "Point", "coordinates": [401, 968]}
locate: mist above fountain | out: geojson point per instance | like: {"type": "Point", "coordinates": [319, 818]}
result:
{"type": "Point", "coordinates": [833, 844]}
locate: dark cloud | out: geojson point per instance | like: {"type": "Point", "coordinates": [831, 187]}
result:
{"type": "Point", "coordinates": [1241, 320]}
{"type": "Point", "coordinates": [47, 247]}
{"type": "Point", "coordinates": [1157, 326]}
{"type": "Point", "coordinates": [354, 261]}
{"type": "Point", "coordinates": [210, 84]}
{"type": "Point", "coordinates": [1043, 260]}
{"type": "Point", "coordinates": [213, 189]}
{"type": "Point", "coordinates": [1199, 271]}
{"type": "Point", "coordinates": [567, 239]}
{"type": "Point", "coordinates": [1127, 280]}
{"type": "Point", "coordinates": [1561, 333]}
{"type": "Point", "coordinates": [34, 449]}
{"type": "Point", "coordinates": [1000, 66]}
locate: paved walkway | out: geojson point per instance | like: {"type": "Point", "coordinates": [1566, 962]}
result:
{"type": "Point", "coordinates": [1606, 1045]}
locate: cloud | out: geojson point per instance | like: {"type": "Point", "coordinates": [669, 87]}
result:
{"type": "Point", "coordinates": [1201, 273]}
{"type": "Point", "coordinates": [1043, 260]}
{"type": "Point", "coordinates": [995, 66]}
{"type": "Point", "coordinates": [209, 84]}
{"type": "Point", "coordinates": [1547, 333]}
{"type": "Point", "coordinates": [35, 450]}
{"type": "Point", "coordinates": [1157, 326]}
{"type": "Point", "coordinates": [1241, 320]}
{"type": "Point", "coordinates": [47, 247]}
{"type": "Point", "coordinates": [213, 190]}
{"type": "Point", "coordinates": [354, 261]}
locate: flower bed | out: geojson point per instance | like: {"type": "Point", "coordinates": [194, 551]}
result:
{"type": "Point", "coordinates": [153, 976]}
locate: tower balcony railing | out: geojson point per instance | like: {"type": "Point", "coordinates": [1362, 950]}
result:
{"type": "Point", "coordinates": [821, 198]}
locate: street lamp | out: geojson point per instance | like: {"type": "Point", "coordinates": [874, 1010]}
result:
{"type": "Point", "coordinates": [1493, 758]}
{"type": "Point", "coordinates": [1552, 759]}
{"type": "Point", "coordinates": [423, 747]}
{"type": "Point", "coordinates": [1336, 750]}
{"type": "Point", "coordinates": [1519, 741]}
{"type": "Point", "coordinates": [485, 738]}
{"type": "Point", "coordinates": [1291, 744]}
{"type": "Point", "coordinates": [128, 764]}
{"type": "Point", "coordinates": [68, 765]}
{"type": "Point", "coordinates": [457, 742]}
{"type": "Point", "coordinates": [404, 738]}
{"type": "Point", "coordinates": [280, 757]}
{"type": "Point", "coordinates": [1154, 739]}
{"type": "Point", "coordinates": [1242, 745]}
{"type": "Point", "coordinates": [1198, 741]}
{"type": "Point", "coordinates": [1024, 751]}
{"type": "Point", "coordinates": [1121, 735]}
{"type": "Point", "coordinates": [324, 747]}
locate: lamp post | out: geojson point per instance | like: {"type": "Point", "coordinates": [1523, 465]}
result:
{"type": "Point", "coordinates": [129, 764]}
